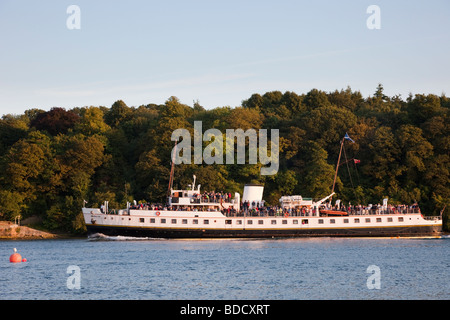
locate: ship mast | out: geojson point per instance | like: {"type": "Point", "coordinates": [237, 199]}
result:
{"type": "Point", "coordinates": [338, 162]}
{"type": "Point", "coordinates": [172, 169]}
{"type": "Point", "coordinates": [337, 166]}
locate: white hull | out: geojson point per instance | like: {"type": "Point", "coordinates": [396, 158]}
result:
{"type": "Point", "coordinates": [194, 224]}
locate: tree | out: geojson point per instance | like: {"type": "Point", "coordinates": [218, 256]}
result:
{"type": "Point", "coordinates": [275, 106]}
{"type": "Point", "coordinates": [55, 121]}
{"type": "Point", "coordinates": [76, 159]}
{"type": "Point", "coordinates": [293, 102]}
{"type": "Point", "coordinates": [91, 122]}
{"type": "Point", "coordinates": [286, 182]}
{"type": "Point", "coordinates": [117, 114]}
{"type": "Point", "coordinates": [26, 174]}
{"type": "Point", "coordinates": [316, 99]}
{"type": "Point", "coordinates": [379, 95]}
{"type": "Point", "coordinates": [294, 138]}
{"type": "Point", "coordinates": [437, 174]}
{"type": "Point", "coordinates": [242, 118]}
{"type": "Point", "coordinates": [152, 178]}
{"type": "Point", "coordinates": [12, 204]}
{"type": "Point", "coordinates": [254, 102]}
{"type": "Point", "coordinates": [384, 155]}
{"type": "Point", "coordinates": [25, 161]}
{"type": "Point", "coordinates": [79, 157]}
{"type": "Point", "coordinates": [327, 125]}
{"type": "Point", "coordinates": [424, 107]}
{"type": "Point", "coordinates": [174, 108]}
{"type": "Point", "coordinates": [437, 131]}
{"type": "Point", "coordinates": [346, 99]}
{"type": "Point", "coordinates": [12, 129]}
{"type": "Point", "coordinates": [414, 147]}
{"type": "Point", "coordinates": [318, 174]}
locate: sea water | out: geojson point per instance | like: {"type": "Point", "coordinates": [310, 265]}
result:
{"type": "Point", "coordinates": [277, 269]}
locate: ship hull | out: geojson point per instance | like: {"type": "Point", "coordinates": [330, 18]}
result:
{"type": "Point", "coordinates": [180, 233]}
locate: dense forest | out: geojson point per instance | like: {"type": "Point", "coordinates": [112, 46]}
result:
{"type": "Point", "coordinates": [52, 161]}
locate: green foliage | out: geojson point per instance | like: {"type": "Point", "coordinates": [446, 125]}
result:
{"type": "Point", "coordinates": [51, 161]}
{"type": "Point", "coordinates": [318, 174]}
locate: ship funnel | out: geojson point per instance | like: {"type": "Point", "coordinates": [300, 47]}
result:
{"type": "Point", "coordinates": [253, 193]}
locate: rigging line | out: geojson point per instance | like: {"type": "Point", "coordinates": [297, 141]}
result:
{"type": "Point", "coordinates": [337, 168]}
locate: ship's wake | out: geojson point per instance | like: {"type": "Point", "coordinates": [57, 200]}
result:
{"type": "Point", "coordinates": [104, 237]}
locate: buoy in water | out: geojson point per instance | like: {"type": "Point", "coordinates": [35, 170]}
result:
{"type": "Point", "coordinates": [15, 257]}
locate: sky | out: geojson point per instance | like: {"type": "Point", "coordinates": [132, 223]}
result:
{"type": "Point", "coordinates": [218, 53]}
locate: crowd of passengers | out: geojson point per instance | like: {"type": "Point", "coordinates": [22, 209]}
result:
{"type": "Point", "coordinates": [260, 209]}
{"type": "Point", "coordinates": [212, 197]}
{"type": "Point", "coordinates": [257, 210]}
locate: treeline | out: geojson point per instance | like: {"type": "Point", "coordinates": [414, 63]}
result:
{"type": "Point", "coordinates": [52, 161]}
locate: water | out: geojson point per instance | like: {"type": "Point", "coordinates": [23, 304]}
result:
{"type": "Point", "coordinates": [126, 268]}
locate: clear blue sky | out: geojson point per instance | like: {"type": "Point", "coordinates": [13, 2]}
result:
{"type": "Point", "coordinates": [217, 52]}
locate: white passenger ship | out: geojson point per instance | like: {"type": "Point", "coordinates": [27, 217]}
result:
{"type": "Point", "coordinates": [190, 215]}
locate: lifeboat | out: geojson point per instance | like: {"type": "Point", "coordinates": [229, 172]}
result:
{"type": "Point", "coordinates": [334, 213]}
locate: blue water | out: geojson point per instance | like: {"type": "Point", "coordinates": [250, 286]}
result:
{"type": "Point", "coordinates": [124, 268]}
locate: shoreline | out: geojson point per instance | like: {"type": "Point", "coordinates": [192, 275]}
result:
{"type": "Point", "coordinates": [11, 231]}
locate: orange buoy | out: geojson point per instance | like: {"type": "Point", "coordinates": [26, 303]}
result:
{"type": "Point", "coordinates": [24, 260]}
{"type": "Point", "coordinates": [15, 257]}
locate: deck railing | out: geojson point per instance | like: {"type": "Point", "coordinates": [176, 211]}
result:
{"type": "Point", "coordinates": [278, 212]}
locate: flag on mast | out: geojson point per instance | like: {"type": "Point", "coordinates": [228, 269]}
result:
{"type": "Point", "coordinates": [348, 138]}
